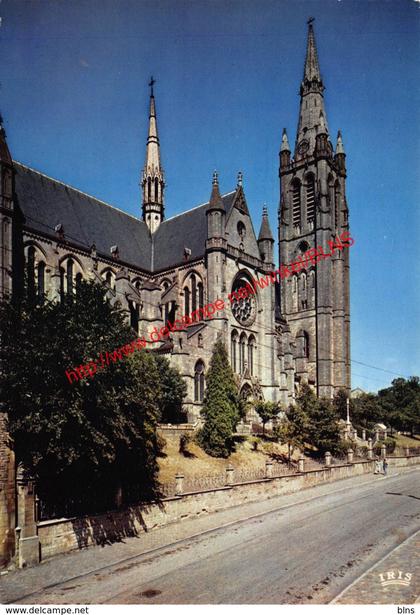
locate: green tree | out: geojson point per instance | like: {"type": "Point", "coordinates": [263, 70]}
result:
{"type": "Point", "coordinates": [365, 411]}
{"type": "Point", "coordinates": [173, 391]}
{"type": "Point", "coordinates": [221, 405]}
{"type": "Point", "coordinates": [85, 440]}
{"type": "Point", "coordinates": [293, 430]}
{"type": "Point", "coordinates": [400, 404]}
{"type": "Point", "coordinates": [323, 430]}
{"type": "Point", "coordinates": [267, 411]}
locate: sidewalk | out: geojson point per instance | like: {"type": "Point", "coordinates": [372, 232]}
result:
{"type": "Point", "coordinates": [18, 583]}
{"type": "Point", "coordinates": [393, 580]}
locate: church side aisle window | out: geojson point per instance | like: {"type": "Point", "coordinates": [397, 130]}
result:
{"type": "Point", "coordinates": [251, 354]}
{"type": "Point", "coordinates": [234, 350]}
{"type": "Point", "coordinates": [199, 381]}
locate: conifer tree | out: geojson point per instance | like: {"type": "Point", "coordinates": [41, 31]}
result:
{"type": "Point", "coordinates": [221, 405]}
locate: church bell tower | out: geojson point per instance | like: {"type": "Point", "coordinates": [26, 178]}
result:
{"type": "Point", "coordinates": [313, 213]}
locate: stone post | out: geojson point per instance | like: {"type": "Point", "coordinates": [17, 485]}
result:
{"type": "Point", "coordinates": [301, 464]}
{"type": "Point", "coordinates": [179, 484]}
{"type": "Point", "coordinates": [328, 459]}
{"type": "Point", "coordinates": [28, 548]}
{"type": "Point", "coordinates": [268, 469]}
{"type": "Point", "coordinates": [350, 454]}
{"type": "Point", "coordinates": [383, 451]}
{"type": "Point", "coordinates": [230, 474]}
{"type": "Point", "coordinates": [407, 451]}
{"type": "Point", "coordinates": [370, 449]}
{"type": "Point", "coordinates": [363, 434]}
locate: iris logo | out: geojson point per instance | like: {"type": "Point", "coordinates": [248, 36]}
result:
{"type": "Point", "coordinates": [395, 577]}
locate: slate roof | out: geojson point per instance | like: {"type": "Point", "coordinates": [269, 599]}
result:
{"type": "Point", "coordinates": [186, 230]}
{"type": "Point", "coordinates": [46, 202]}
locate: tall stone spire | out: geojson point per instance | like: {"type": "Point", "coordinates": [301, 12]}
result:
{"type": "Point", "coordinates": [312, 117]}
{"type": "Point", "coordinates": [153, 181]}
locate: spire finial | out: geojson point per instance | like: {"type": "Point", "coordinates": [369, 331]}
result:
{"type": "Point", "coordinates": [310, 21]}
{"type": "Point", "coordinates": [240, 178]}
{"type": "Point", "coordinates": [151, 84]}
{"type": "Point", "coordinates": [265, 210]}
{"type": "Point", "coordinates": [215, 178]}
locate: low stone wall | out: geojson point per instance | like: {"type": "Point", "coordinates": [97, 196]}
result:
{"type": "Point", "coordinates": [63, 535]}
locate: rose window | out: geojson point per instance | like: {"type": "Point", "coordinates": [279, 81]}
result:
{"type": "Point", "coordinates": [243, 303]}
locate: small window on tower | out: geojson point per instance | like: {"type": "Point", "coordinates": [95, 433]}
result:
{"type": "Point", "coordinates": [241, 230]}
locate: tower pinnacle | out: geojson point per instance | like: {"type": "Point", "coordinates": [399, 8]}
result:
{"type": "Point", "coordinates": [153, 182]}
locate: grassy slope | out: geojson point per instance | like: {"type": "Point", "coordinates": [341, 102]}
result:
{"type": "Point", "coordinates": [201, 464]}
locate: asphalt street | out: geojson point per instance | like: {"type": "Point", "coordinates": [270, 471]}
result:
{"type": "Point", "coordinates": [302, 554]}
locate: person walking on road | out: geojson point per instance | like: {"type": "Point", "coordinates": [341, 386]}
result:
{"type": "Point", "coordinates": [377, 466]}
{"type": "Point", "coordinates": [385, 466]}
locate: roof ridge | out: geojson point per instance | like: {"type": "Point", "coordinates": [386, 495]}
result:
{"type": "Point", "coordinates": [196, 207]}
{"type": "Point", "coordinates": [57, 181]}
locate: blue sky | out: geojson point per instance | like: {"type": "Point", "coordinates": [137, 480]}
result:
{"type": "Point", "coordinates": [74, 99]}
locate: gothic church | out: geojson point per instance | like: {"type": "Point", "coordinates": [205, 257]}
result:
{"type": "Point", "coordinates": [160, 268]}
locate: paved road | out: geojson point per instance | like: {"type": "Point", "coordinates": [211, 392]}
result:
{"type": "Point", "coordinates": [305, 553]}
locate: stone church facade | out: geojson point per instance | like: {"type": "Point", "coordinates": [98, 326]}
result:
{"type": "Point", "coordinates": [160, 268]}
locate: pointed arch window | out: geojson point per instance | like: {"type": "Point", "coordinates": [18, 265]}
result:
{"type": "Point", "coordinates": [242, 345]}
{"type": "Point", "coordinates": [62, 278]}
{"type": "Point", "coordinates": [306, 345]}
{"type": "Point", "coordinates": [310, 200]}
{"type": "Point", "coordinates": [134, 315]}
{"type": "Point", "coordinates": [296, 204]}
{"type": "Point", "coordinates": [200, 295]}
{"type": "Point", "coordinates": [234, 350]}
{"type": "Point", "coordinates": [78, 279]}
{"type": "Point", "coordinates": [41, 279]}
{"type": "Point", "coordinates": [30, 268]}
{"type": "Point", "coordinates": [193, 293]}
{"type": "Point", "coordinates": [251, 354]}
{"type": "Point", "coordinates": [69, 276]}
{"type": "Point", "coordinates": [149, 188]}
{"type": "Point", "coordinates": [186, 301]}
{"type": "Point", "coordinates": [199, 381]}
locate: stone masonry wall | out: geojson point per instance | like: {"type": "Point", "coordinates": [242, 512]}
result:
{"type": "Point", "coordinates": [63, 535]}
{"type": "Point", "coordinates": [7, 494]}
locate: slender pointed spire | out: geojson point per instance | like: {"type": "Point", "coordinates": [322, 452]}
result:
{"type": "Point", "coordinates": [153, 180]}
{"type": "Point", "coordinates": [265, 230]}
{"type": "Point", "coordinates": [285, 147]}
{"type": "Point", "coordinates": [215, 202]}
{"type": "Point", "coordinates": [311, 70]}
{"type": "Point", "coordinates": [312, 117]}
{"type": "Point", "coordinates": [339, 149]}
{"type": "Point", "coordinates": [152, 150]}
